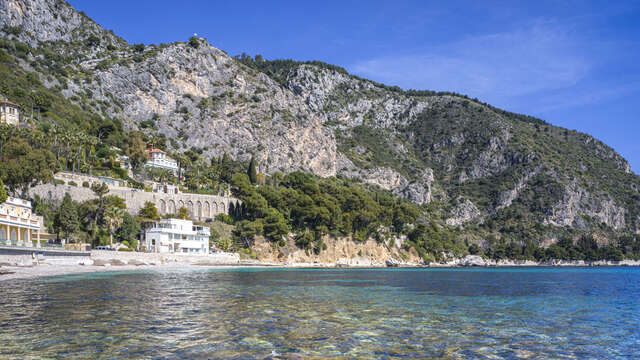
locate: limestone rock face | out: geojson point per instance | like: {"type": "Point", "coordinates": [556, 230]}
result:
{"type": "Point", "coordinates": [578, 203]}
{"type": "Point", "coordinates": [340, 251]}
{"type": "Point", "coordinates": [41, 21]}
{"type": "Point", "coordinates": [464, 212]}
{"type": "Point", "coordinates": [204, 98]}
{"type": "Point", "coordinates": [325, 90]}
{"type": "Point", "coordinates": [421, 190]}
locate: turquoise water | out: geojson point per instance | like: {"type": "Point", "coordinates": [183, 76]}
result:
{"type": "Point", "coordinates": [531, 313]}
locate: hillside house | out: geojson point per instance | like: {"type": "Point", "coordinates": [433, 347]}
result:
{"type": "Point", "coordinates": [9, 113]}
{"type": "Point", "coordinates": [159, 159]}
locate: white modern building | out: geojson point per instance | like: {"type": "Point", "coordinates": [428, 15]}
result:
{"type": "Point", "coordinates": [159, 159]}
{"type": "Point", "coordinates": [177, 236]}
{"type": "Point", "coordinates": [18, 224]}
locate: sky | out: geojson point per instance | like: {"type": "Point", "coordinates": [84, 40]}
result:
{"type": "Point", "coordinates": [574, 64]}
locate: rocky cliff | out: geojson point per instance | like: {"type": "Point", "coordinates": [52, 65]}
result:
{"type": "Point", "coordinates": [477, 165]}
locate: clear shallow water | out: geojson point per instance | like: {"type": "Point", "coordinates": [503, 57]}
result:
{"type": "Point", "coordinates": [536, 313]}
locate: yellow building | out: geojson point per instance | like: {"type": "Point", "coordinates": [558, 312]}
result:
{"type": "Point", "coordinates": [9, 113]}
{"type": "Point", "coordinates": [18, 225]}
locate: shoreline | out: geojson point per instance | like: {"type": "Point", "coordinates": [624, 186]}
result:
{"type": "Point", "coordinates": [9, 273]}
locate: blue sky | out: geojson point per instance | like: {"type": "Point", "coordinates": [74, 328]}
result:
{"type": "Point", "coordinates": [574, 64]}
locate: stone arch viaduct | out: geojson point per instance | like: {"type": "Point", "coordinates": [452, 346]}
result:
{"type": "Point", "coordinates": [200, 207]}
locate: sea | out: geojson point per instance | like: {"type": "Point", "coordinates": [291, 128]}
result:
{"type": "Point", "coordinates": [258, 313]}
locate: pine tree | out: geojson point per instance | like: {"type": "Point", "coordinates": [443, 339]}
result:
{"type": "Point", "coordinates": [149, 211]}
{"type": "Point", "coordinates": [253, 174]}
{"type": "Point", "coordinates": [100, 190]}
{"type": "Point", "coordinates": [66, 219]}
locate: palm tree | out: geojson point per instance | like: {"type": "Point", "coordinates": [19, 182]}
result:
{"type": "Point", "coordinates": [54, 130]}
{"type": "Point", "coordinates": [113, 216]}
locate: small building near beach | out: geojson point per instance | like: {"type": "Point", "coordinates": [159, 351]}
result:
{"type": "Point", "coordinates": [177, 236]}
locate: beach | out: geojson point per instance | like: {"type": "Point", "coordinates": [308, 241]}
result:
{"type": "Point", "coordinates": [108, 261]}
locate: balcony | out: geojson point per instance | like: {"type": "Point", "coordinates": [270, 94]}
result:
{"type": "Point", "coordinates": [13, 220]}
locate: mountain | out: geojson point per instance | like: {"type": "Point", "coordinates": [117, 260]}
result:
{"type": "Point", "coordinates": [486, 170]}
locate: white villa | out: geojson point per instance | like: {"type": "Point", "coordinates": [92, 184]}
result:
{"type": "Point", "coordinates": [177, 236]}
{"type": "Point", "coordinates": [18, 223]}
{"type": "Point", "coordinates": [159, 159]}
{"type": "Point", "coordinates": [9, 113]}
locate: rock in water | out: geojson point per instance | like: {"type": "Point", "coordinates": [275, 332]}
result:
{"type": "Point", "coordinates": [473, 260]}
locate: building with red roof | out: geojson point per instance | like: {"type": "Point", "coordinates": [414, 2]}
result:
{"type": "Point", "coordinates": [159, 159]}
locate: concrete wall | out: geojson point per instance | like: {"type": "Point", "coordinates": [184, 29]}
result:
{"type": "Point", "coordinates": [200, 207]}
{"type": "Point", "coordinates": [10, 250]}
{"type": "Point", "coordinates": [12, 256]}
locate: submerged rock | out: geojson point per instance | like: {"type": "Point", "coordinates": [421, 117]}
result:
{"type": "Point", "coordinates": [392, 262]}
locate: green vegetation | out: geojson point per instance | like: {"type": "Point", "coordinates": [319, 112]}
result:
{"type": "Point", "coordinates": [314, 207]}
{"type": "Point", "coordinates": [194, 42]}
{"type": "Point", "coordinates": [585, 248]}
{"type": "Point", "coordinates": [3, 193]}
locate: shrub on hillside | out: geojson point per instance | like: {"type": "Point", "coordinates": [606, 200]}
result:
{"type": "Point", "coordinates": [224, 218]}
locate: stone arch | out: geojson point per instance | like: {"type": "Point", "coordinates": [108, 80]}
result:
{"type": "Point", "coordinates": [163, 207]}
{"type": "Point", "coordinates": [14, 235]}
{"type": "Point", "coordinates": [190, 207]}
{"type": "Point", "coordinates": [180, 204]}
{"type": "Point", "coordinates": [207, 209]}
{"type": "Point", "coordinates": [215, 208]}
{"type": "Point", "coordinates": [172, 207]}
{"type": "Point", "coordinates": [199, 209]}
